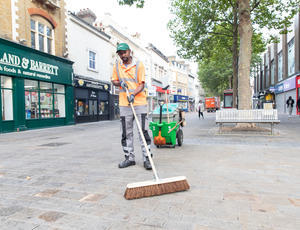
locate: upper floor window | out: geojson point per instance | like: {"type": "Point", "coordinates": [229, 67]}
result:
{"type": "Point", "coordinates": [42, 35]}
{"type": "Point", "coordinates": [280, 66]}
{"type": "Point", "coordinates": [291, 57]}
{"type": "Point", "coordinates": [92, 60]}
{"type": "Point", "coordinates": [272, 72]}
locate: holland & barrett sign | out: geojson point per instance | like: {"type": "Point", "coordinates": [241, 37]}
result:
{"type": "Point", "coordinates": [25, 62]}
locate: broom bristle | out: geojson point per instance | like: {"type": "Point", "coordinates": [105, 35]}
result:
{"type": "Point", "coordinates": [155, 188]}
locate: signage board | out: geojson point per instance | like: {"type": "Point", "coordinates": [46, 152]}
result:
{"type": "Point", "coordinates": [21, 61]}
{"type": "Point", "coordinates": [286, 85]}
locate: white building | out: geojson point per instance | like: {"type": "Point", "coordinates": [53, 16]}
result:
{"type": "Point", "coordinates": [118, 35]}
{"type": "Point", "coordinates": [160, 76]}
{"type": "Point", "coordinates": [90, 50]}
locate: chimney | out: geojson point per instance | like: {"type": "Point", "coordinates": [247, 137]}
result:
{"type": "Point", "coordinates": [87, 15]}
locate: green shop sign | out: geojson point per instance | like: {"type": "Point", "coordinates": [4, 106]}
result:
{"type": "Point", "coordinates": [22, 61]}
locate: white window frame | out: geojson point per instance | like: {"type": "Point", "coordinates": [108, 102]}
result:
{"type": "Point", "coordinates": [45, 40]}
{"type": "Point", "coordinates": [291, 57]}
{"type": "Point", "coordinates": [280, 74]}
{"type": "Point", "coordinates": [96, 60]}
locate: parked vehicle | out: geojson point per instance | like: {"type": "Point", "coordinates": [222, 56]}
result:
{"type": "Point", "coordinates": [212, 104]}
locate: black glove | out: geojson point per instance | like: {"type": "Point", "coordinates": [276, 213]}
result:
{"type": "Point", "coordinates": [123, 84]}
{"type": "Point", "coordinates": [130, 98]}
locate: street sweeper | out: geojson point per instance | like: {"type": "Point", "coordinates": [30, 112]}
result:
{"type": "Point", "coordinates": [130, 74]}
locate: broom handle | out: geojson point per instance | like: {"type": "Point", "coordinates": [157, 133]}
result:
{"type": "Point", "coordinates": [143, 138]}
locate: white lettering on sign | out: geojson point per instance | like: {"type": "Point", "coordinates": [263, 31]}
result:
{"type": "Point", "coordinates": [33, 65]}
{"type": "Point", "coordinates": [10, 70]}
{"type": "Point", "coordinates": [10, 59]}
{"type": "Point", "coordinates": [43, 67]}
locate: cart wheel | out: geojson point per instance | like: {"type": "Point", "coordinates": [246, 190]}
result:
{"type": "Point", "coordinates": [179, 137]}
{"type": "Point", "coordinates": [157, 146]}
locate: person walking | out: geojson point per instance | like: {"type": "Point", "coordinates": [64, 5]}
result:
{"type": "Point", "coordinates": [200, 109]}
{"type": "Point", "coordinates": [290, 103]}
{"type": "Point", "coordinates": [130, 73]}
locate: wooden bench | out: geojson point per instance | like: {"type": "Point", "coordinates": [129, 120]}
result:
{"type": "Point", "coordinates": [269, 116]}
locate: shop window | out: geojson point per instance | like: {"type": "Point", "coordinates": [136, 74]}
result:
{"type": "Point", "coordinates": [82, 108]}
{"type": "Point", "coordinates": [280, 66]}
{"type": "Point", "coordinates": [6, 98]}
{"type": "Point", "coordinates": [42, 35]}
{"type": "Point", "coordinates": [59, 100]}
{"type": "Point", "coordinates": [103, 108]}
{"type": "Point", "coordinates": [92, 60]}
{"type": "Point", "coordinates": [44, 100]}
{"type": "Point", "coordinates": [46, 104]}
{"type": "Point", "coordinates": [267, 76]}
{"type": "Point", "coordinates": [291, 57]}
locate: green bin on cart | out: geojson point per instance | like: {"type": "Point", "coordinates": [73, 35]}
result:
{"type": "Point", "coordinates": [174, 118]}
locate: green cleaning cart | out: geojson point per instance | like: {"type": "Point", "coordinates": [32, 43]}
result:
{"type": "Point", "coordinates": [167, 123]}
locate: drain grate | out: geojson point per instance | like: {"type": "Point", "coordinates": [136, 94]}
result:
{"type": "Point", "coordinates": [54, 144]}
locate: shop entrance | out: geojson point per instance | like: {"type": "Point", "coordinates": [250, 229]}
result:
{"type": "Point", "coordinates": [297, 101]}
{"type": "Point", "coordinates": [93, 105]}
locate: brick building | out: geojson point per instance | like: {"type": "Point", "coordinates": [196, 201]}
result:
{"type": "Point", "coordinates": [36, 79]}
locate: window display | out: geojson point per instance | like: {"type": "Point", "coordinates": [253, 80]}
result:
{"type": "Point", "coordinates": [103, 107]}
{"type": "Point", "coordinates": [44, 100]}
{"type": "Point", "coordinates": [82, 107]}
{"type": "Point", "coordinates": [31, 105]}
{"type": "Point", "coordinates": [6, 98]}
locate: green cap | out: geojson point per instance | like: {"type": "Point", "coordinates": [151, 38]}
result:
{"type": "Point", "coordinates": [122, 46]}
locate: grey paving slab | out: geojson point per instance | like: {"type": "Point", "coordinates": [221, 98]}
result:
{"type": "Point", "coordinates": [67, 178]}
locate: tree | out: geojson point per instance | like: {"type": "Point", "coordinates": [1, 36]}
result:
{"type": "Point", "coordinates": [215, 70]}
{"type": "Point", "coordinates": [195, 20]}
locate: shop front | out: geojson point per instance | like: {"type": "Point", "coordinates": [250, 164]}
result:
{"type": "Point", "coordinates": [182, 101]}
{"type": "Point", "coordinates": [298, 94]}
{"type": "Point", "coordinates": [36, 89]}
{"type": "Point", "coordinates": [92, 99]}
{"type": "Point", "coordinates": [283, 91]}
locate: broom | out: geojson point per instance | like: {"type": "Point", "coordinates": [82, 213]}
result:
{"type": "Point", "coordinates": [157, 186]}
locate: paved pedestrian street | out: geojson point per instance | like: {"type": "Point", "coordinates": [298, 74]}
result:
{"type": "Point", "coordinates": [68, 178]}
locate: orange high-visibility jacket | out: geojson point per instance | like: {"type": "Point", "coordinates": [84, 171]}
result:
{"type": "Point", "coordinates": [133, 75]}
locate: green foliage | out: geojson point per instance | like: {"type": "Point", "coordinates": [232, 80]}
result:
{"type": "Point", "coordinates": [138, 3]}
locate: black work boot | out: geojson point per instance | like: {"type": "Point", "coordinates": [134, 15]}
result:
{"type": "Point", "coordinates": [147, 164]}
{"type": "Point", "coordinates": [126, 163]}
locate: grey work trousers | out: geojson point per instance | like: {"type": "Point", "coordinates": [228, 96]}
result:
{"type": "Point", "coordinates": [127, 124]}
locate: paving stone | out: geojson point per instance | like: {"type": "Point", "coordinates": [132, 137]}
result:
{"type": "Point", "coordinates": [238, 181]}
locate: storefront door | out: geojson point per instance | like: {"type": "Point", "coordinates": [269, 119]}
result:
{"type": "Point", "coordinates": [93, 105]}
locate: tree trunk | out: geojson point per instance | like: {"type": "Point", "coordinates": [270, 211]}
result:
{"type": "Point", "coordinates": [235, 56]}
{"type": "Point", "coordinates": [245, 32]}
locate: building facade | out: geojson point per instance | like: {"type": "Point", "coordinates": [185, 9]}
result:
{"type": "Point", "coordinates": [91, 50]}
{"type": "Point", "coordinates": [179, 79]}
{"type": "Point", "coordinates": [278, 75]}
{"type": "Point", "coordinates": [159, 76]}
{"type": "Point", "coordinates": [36, 79]}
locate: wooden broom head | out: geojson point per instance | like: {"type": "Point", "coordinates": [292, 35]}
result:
{"type": "Point", "coordinates": [155, 188]}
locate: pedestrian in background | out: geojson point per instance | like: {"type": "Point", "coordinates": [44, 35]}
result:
{"type": "Point", "coordinates": [200, 109]}
{"type": "Point", "coordinates": [130, 74]}
{"type": "Point", "coordinates": [290, 103]}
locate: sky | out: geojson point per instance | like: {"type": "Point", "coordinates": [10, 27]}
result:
{"type": "Point", "coordinates": [151, 21]}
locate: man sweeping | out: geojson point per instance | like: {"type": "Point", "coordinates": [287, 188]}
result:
{"type": "Point", "coordinates": [130, 73]}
